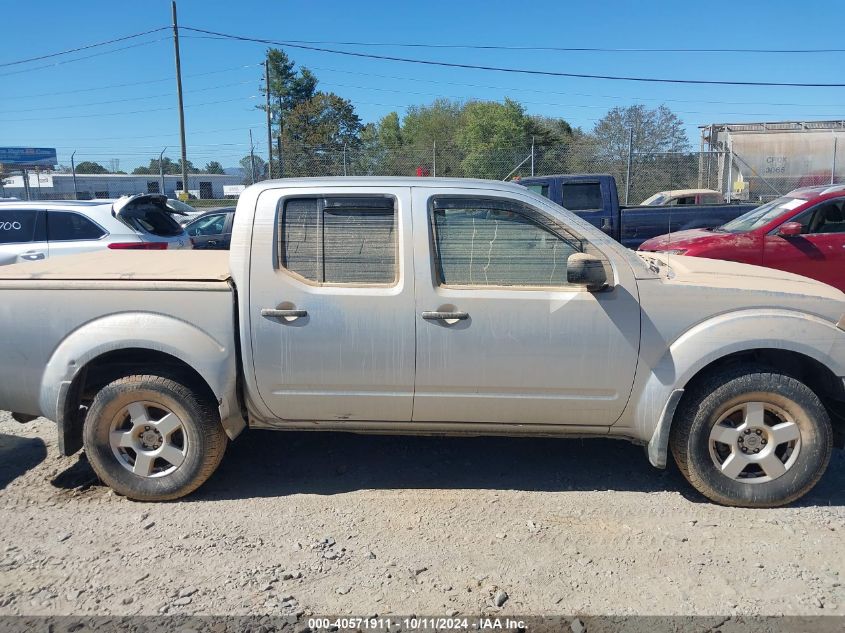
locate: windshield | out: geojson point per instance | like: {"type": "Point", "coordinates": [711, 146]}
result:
{"type": "Point", "coordinates": [762, 215]}
{"type": "Point", "coordinates": [655, 200]}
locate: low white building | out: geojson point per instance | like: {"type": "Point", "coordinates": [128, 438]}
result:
{"type": "Point", "coordinates": [53, 186]}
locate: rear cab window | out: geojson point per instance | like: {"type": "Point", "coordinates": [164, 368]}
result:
{"type": "Point", "coordinates": [21, 226]}
{"type": "Point", "coordinates": [340, 240]}
{"type": "Point", "coordinates": [581, 196]}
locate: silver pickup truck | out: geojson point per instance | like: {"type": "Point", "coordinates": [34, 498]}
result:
{"type": "Point", "coordinates": [435, 306]}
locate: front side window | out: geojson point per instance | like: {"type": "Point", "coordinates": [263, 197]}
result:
{"type": "Point", "coordinates": [828, 217]}
{"type": "Point", "coordinates": [497, 242]}
{"type": "Point", "coordinates": [63, 226]}
{"type": "Point", "coordinates": [18, 226]}
{"type": "Point", "coordinates": [340, 240]}
{"type": "Point", "coordinates": [209, 225]}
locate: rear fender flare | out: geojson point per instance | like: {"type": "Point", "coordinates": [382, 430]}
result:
{"type": "Point", "coordinates": [214, 361]}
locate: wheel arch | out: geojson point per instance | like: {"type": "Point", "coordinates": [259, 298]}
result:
{"type": "Point", "coordinates": [813, 354]}
{"type": "Point", "coordinates": [133, 343]}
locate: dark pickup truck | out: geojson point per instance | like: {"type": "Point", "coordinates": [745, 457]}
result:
{"type": "Point", "coordinates": [594, 198]}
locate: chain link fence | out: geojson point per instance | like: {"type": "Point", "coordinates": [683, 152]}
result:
{"type": "Point", "coordinates": [638, 174]}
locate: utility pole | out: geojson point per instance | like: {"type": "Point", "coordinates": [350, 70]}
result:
{"type": "Point", "coordinates": [532, 155]}
{"type": "Point", "coordinates": [161, 170]}
{"type": "Point", "coordinates": [630, 157]}
{"type": "Point", "coordinates": [269, 118]}
{"type": "Point", "coordinates": [179, 96]}
{"type": "Point", "coordinates": [279, 150]}
{"type": "Point", "coordinates": [434, 159]}
{"type": "Point", "coordinates": [833, 164]}
{"type": "Point", "coordinates": [251, 158]}
{"type": "Point", "coordinates": [73, 171]}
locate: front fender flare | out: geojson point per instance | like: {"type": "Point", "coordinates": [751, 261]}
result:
{"type": "Point", "coordinates": [717, 338]}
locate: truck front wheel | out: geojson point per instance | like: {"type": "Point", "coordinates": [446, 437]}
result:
{"type": "Point", "coordinates": [752, 436]}
{"type": "Point", "coordinates": [151, 438]}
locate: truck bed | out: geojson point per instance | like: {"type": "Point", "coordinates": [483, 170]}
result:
{"type": "Point", "coordinates": [125, 266]}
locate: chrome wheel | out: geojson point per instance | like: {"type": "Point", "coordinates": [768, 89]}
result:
{"type": "Point", "coordinates": [755, 442]}
{"type": "Point", "coordinates": [148, 439]}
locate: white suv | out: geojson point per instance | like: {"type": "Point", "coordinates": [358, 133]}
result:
{"type": "Point", "coordinates": [31, 231]}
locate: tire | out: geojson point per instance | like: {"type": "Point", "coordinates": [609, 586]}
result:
{"type": "Point", "coordinates": [152, 438]}
{"type": "Point", "coordinates": [716, 444]}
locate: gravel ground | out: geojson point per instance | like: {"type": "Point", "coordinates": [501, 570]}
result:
{"type": "Point", "coordinates": [346, 524]}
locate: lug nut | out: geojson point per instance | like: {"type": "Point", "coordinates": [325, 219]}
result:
{"type": "Point", "coordinates": [763, 442]}
{"type": "Point", "coordinates": [756, 450]}
{"type": "Point", "coordinates": [741, 440]}
{"type": "Point", "coordinates": [744, 450]}
{"type": "Point", "coordinates": [759, 432]}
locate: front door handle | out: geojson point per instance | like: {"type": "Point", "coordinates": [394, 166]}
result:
{"type": "Point", "coordinates": [288, 315]}
{"type": "Point", "coordinates": [33, 256]}
{"type": "Point", "coordinates": [445, 316]}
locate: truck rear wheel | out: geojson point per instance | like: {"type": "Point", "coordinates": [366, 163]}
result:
{"type": "Point", "coordinates": [751, 436]}
{"type": "Point", "coordinates": [151, 438]}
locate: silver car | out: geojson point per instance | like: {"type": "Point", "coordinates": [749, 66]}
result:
{"type": "Point", "coordinates": [31, 231]}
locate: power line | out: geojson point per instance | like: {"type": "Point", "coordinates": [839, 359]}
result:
{"type": "Point", "coordinates": [79, 59]}
{"type": "Point", "coordinates": [129, 84]}
{"type": "Point", "coordinates": [104, 114]}
{"type": "Point", "coordinates": [562, 49]}
{"type": "Point", "coordinates": [559, 105]}
{"type": "Point", "coordinates": [571, 94]}
{"type": "Point", "coordinates": [124, 100]}
{"type": "Point", "coordinates": [547, 73]}
{"type": "Point", "coordinates": [84, 47]}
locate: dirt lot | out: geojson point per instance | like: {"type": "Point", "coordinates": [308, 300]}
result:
{"type": "Point", "coordinates": [330, 523]}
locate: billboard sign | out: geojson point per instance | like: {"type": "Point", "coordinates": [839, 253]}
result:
{"type": "Point", "coordinates": [26, 157]}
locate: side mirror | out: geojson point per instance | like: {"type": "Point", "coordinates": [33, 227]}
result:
{"type": "Point", "coordinates": [790, 229]}
{"type": "Point", "coordinates": [586, 270]}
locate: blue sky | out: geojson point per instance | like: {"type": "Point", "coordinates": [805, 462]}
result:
{"type": "Point", "coordinates": [79, 104]}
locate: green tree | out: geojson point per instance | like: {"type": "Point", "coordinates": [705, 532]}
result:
{"type": "Point", "coordinates": [493, 138]}
{"type": "Point", "coordinates": [260, 169]}
{"type": "Point", "coordinates": [558, 147]}
{"type": "Point", "coordinates": [656, 132]}
{"type": "Point", "coordinates": [213, 167]}
{"type": "Point", "coordinates": [317, 134]}
{"type": "Point", "coordinates": [90, 167]}
{"type": "Point", "coordinates": [170, 167]}
{"type": "Point", "coordinates": [438, 124]}
{"type": "Point", "coordinates": [288, 88]}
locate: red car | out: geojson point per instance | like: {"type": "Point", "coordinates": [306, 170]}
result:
{"type": "Point", "coordinates": [803, 232]}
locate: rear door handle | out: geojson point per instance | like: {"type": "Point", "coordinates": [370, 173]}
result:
{"type": "Point", "coordinates": [283, 314]}
{"type": "Point", "coordinates": [445, 316]}
{"type": "Point", "coordinates": [33, 256]}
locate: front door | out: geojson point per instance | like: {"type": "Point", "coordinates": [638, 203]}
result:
{"type": "Point", "coordinates": [332, 305]}
{"type": "Point", "coordinates": [209, 231]}
{"type": "Point", "coordinates": [501, 336]}
{"type": "Point", "coordinates": [819, 252]}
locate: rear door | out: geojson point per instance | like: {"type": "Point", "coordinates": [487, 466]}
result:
{"type": "Point", "coordinates": [23, 235]}
{"type": "Point", "coordinates": [819, 252]}
{"type": "Point", "coordinates": [331, 303]}
{"type": "Point", "coordinates": [69, 232]}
